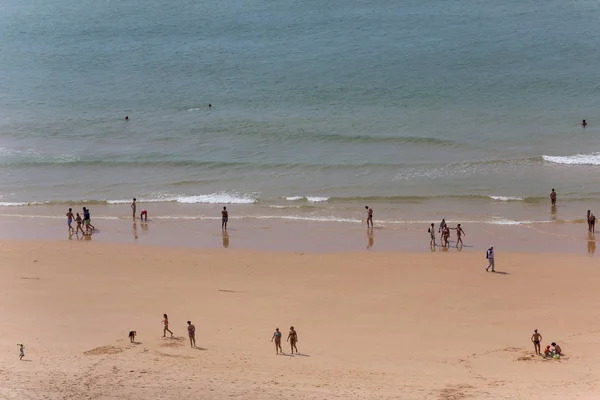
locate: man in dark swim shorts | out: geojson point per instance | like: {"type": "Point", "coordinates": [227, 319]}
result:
{"type": "Point", "coordinates": [536, 338]}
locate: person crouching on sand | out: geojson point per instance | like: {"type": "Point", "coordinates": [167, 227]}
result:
{"type": "Point", "coordinates": [277, 339]}
{"type": "Point", "coordinates": [144, 216]}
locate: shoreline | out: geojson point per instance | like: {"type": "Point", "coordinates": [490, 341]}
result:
{"type": "Point", "coordinates": [281, 235]}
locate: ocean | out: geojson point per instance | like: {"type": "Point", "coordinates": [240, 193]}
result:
{"type": "Point", "coordinates": [420, 109]}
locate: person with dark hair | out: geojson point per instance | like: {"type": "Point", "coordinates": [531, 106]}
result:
{"type": "Point", "coordinates": [584, 123]}
{"type": "Point", "coordinates": [369, 216]}
{"type": "Point", "coordinates": [132, 335]}
{"type": "Point", "coordinates": [224, 218]}
{"type": "Point", "coordinates": [556, 349]}
{"type": "Point", "coordinates": [459, 233]}
{"type": "Point", "coordinates": [70, 220]}
{"type": "Point", "coordinates": [431, 231]}
{"type": "Point", "coordinates": [192, 334]}
{"type": "Point", "coordinates": [293, 339]}
{"type": "Point", "coordinates": [489, 255]}
{"type": "Point", "coordinates": [165, 322]}
{"type": "Point", "coordinates": [553, 198]}
{"type": "Point", "coordinates": [133, 207]}
{"type": "Point", "coordinates": [536, 338]}
{"type": "Point", "coordinates": [277, 338]}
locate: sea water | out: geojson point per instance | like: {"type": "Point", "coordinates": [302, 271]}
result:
{"type": "Point", "coordinates": [418, 108]}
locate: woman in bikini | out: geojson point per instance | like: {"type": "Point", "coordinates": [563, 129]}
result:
{"type": "Point", "coordinates": [277, 338]}
{"type": "Point", "coordinates": [165, 322]}
{"type": "Point", "coordinates": [293, 339]}
{"type": "Point", "coordinates": [79, 224]}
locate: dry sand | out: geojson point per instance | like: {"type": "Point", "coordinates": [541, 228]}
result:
{"type": "Point", "coordinates": [370, 325]}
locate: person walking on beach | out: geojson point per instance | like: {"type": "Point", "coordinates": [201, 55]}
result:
{"type": "Point", "coordinates": [224, 218]}
{"type": "Point", "coordinates": [277, 338]}
{"type": "Point", "coordinates": [369, 216]}
{"type": "Point", "coordinates": [536, 338]}
{"type": "Point", "coordinates": [133, 207]}
{"type": "Point", "coordinates": [440, 230]}
{"type": "Point", "coordinates": [79, 221]}
{"type": "Point", "coordinates": [445, 236]}
{"type": "Point", "coordinates": [553, 198]}
{"type": "Point", "coordinates": [87, 221]}
{"type": "Point", "coordinates": [431, 231]}
{"type": "Point", "coordinates": [459, 233]}
{"type": "Point", "coordinates": [70, 219]}
{"type": "Point", "coordinates": [293, 339]}
{"type": "Point", "coordinates": [192, 334]}
{"type": "Point", "coordinates": [21, 351]}
{"type": "Point", "coordinates": [490, 257]}
{"type": "Point", "coordinates": [165, 322]}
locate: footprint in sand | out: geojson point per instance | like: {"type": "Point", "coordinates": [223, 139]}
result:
{"type": "Point", "coordinates": [99, 351]}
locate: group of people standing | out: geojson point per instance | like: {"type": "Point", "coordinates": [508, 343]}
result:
{"type": "Point", "coordinates": [444, 231]}
{"type": "Point", "coordinates": [85, 222]}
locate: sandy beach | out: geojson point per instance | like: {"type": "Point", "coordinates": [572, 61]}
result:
{"type": "Point", "coordinates": [370, 325]}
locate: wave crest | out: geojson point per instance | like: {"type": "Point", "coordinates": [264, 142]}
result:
{"type": "Point", "coordinates": [577, 159]}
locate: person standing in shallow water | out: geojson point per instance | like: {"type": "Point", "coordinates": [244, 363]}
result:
{"type": "Point", "coordinates": [459, 233]}
{"type": "Point", "coordinates": [133, 207]}
{"type": "Point", "coordinates": [224, 218]}
{"type": "Point", "coordinates": [369, 216]}
{"type": "Point", "coordinates": [553, 198]}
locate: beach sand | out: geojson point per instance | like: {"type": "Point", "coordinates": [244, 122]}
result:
{"type": "Point", "coordinates": [370, 325]}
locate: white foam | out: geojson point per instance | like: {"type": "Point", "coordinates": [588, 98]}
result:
{"type": "Point", "coordinates": [18, 203]}
{"type": "Point", "coordinates": [578, 159]}
{"type": "Point", "coordinates": [317, 199]}
{"type": "Point", "coordinates": [294, 198]}
{"type": "Point", "coordinates": [310, 199]}
{"type": "Point", "coordinates": [506, 198]}
{"type": "Point", "coordinates": [217, 198]}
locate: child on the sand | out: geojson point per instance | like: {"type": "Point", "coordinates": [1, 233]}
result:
{"type": "Point", "coordinates": [547, 352]}
{"type": "Point", "coordinates": [21, 351]}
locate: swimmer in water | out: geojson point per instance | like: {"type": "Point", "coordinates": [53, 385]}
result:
{"type": "Point", "coordinates": [583, 123]}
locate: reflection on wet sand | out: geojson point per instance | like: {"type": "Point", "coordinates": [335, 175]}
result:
{"type": "Point", "coordinates": [553, 213]}
{"type": "Point", "coordinates": [371, 241]}
{"type": "Point", "coordinates": [145, 227]}
{"type": "Point", "coordinates": [591, 243]}
{"type": "Point", "coordinates": [225, 239]}
{"type": "Point", "coordinates": [134, 229]}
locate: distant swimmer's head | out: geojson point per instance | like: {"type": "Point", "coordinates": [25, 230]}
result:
{"type": "Point", "coordinates": [210, 106]}
{"type": "Point", "coordinates": [126, 118]}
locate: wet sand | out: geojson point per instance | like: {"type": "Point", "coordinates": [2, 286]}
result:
{"type": "Point", "coordinates": [371, 324]}
{"type": "Point", "coordinates": [273, 234]}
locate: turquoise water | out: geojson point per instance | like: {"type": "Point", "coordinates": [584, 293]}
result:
{"type": "Point", "coordinates": [323, 104]}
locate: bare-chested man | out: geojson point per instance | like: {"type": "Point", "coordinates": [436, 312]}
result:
{"type": "Point", "coordinates": [536, 338]}
{"type": "Point", "coordinates": [440, 229]}
{"type": "Point", "coordinates": [592, 222]}
{"type": "Point", "coordinates": [553, 198]}
{"type": "Point", "coordinates": [293, 339]}
{"type": "Point", "coordinates": [192, 334]}
{"type": "Point", "coordinates": [70, 219]}
{"type": "Point", "coordinates": [369, 216]}
{"type": "Point", "coordinates": [459, 233]}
